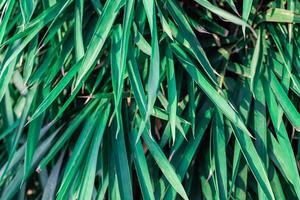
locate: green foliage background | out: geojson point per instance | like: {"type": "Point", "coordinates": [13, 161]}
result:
{"type": "Point", "coordinates": [144, 99]}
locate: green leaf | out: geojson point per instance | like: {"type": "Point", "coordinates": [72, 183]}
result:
{"type": "Point", "coordinates": [121, 162]}
{"type": "Point", "coordinates": [219, 149]}
{"type": "Point", "coordinates": [281, 16]}
{"type": "Point", "coordinates": [164, 165]}
{"type": "Point", "coordinates": [254, 162]}
{"type": "Point", "coordinates": [79, 48]}
{"type": "Point", "coordinates": [66, 135]}
{"type": "Point", "coordinates": [78, 153]}
{"type": "Point", "coordinates": [289, 109]}
{"type": "Point", "coordinates": [141, 166]}
{"type": "Point", "coordinates": [190, 36]}
{"type": "Point", "coordinates": [256, 61]}
{"type": "Point", "coordinates": [172, 93]}
{"type": "Point", "coordinates": [96, 43]}
{"type": "Point", "coordinates": [247, 5]}
{"type": "Point", "coordinates": [27, 8]}
{"type": "Point", "coordinates": [216, 98]}
{"type": "Point", "coordinates": [32, 139]}
{"type": "Point", "coordinates": [154, 71]}
{"type": "Point", "coordinates": [87, 184]}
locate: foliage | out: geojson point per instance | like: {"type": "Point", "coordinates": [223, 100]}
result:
{"type": "Point", "coordinates": [149, 99]}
